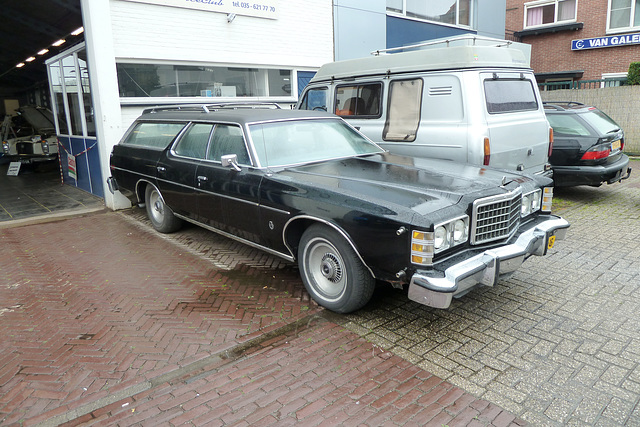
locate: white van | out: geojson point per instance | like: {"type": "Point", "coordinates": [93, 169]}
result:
{"type": "Point", "coordinates": [469, 99]}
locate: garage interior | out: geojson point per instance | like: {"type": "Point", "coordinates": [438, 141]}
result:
{"type": "Point", "coordinates": [30, 31]}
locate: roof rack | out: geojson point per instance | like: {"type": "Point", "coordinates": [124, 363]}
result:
{"type": "Point", "coordinates": [461, 40]}
{"type": "Point", "coordinates": [206, 108]}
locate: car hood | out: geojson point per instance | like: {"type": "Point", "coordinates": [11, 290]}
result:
{"type": "Point", "coordinates": [400, 182]}
{"type": "Point", "coordinates": [39, 118]}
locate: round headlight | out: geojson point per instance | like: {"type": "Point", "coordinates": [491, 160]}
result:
{"type": "Point", "coordinates": [440, 238]}
{"type": "Point", "coordinates": [459, 231]}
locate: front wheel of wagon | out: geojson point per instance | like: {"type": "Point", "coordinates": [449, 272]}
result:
{"type": "Point", "coordinates": [161, 215]}
{"type": "Point", "coordinates": [332, 272]}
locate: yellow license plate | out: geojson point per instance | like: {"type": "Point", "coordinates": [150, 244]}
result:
{"type": "Point", "coordinates": [552, 240]}
{"type": "Point", "coordinates": [615, 145]}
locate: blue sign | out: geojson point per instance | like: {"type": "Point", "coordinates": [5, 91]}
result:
{"type": "Point", "coordinates": [608, 41]}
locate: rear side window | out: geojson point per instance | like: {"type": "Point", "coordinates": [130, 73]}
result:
{"type": "Point", "coordinates": [314, 99]}
{"type": "Point", "coordinates": [194, 141]}
{"type": "Point", "coordinates": [359, 100]}
{"type": "Point", "coordinates": [403, 117]}
{"type": "Point", "coordinates": [153, 135]}
{"type": "Point", "coordinates": [507, 95]}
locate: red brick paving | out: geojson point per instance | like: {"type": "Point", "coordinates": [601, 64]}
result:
{"type": "Point", "coordinates": [104, 323]}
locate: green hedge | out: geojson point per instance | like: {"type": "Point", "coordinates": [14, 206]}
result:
{"type": "Point", "coordinates": [633, 78]}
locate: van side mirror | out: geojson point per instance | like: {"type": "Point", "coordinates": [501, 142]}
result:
{"type": "Point", "coordinates": [230, 160]}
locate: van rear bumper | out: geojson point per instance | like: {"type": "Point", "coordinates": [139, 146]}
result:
{"type": "Point", "coordinates": [436, 288]}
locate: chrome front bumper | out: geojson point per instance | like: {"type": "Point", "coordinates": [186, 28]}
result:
{"type": "Point", "coordinates": [436, 289]}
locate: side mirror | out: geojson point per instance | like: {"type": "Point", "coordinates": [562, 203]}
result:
{"type": "Point", "coordinates": [230, 160]}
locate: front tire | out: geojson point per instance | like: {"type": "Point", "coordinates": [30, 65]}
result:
{"type": "Point", "coordinates": [161, 215]}
{"type": "Point", "coordinates": [332, 272]}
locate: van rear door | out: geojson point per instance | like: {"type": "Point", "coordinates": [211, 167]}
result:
{"type": "Point", "coordinates": [517, 126]}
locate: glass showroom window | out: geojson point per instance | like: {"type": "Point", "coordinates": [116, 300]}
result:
{"type": "Point", "coordinates": [624, 14]}
{"type": "Point", "coordinates": [549, 12]}
{"type": "Point", "coordinates": [453, 12]}
{"type": "Point", "coordinates": [158, 80]}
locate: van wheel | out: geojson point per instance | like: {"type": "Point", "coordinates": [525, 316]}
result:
{"type": "Point", "coordinates": [161, 215]}
{"type": "Point", "coordinates": [331, 271]}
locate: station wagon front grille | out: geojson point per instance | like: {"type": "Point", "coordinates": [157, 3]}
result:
{"type": "Point", "coordinates": [495, 217]}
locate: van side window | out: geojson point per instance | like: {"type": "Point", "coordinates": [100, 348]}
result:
{"type": "Point", "coordinates": [314, 99]}
{"type": "Point", "coordinates": [509, 95]}
{"type": "Point", "coordinates": [403, 115]}
{"type": "Point", "coordinates": [153, 135]}
{"type": "Point", "coordinates": [359, 100]}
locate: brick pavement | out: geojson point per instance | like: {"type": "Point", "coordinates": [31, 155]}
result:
{"type": "Point", "coordinates": [105, 322]}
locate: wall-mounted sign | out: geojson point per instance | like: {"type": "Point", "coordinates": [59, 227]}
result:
{"type": "Point", "coordinates": [258, 8]}
{"type": "Point", "coordinates": [608, 41]}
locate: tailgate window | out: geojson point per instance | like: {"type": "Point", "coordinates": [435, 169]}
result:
{"type": "Point", "coordinates": [509, 95]}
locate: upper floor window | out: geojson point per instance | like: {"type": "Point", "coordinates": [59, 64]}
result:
{"type": "Point", "coordinates": [453, 12]}
{"type": "Point", "coordinates": [549, 12]}
{"type": "Point", "coordinates": [624, 14]}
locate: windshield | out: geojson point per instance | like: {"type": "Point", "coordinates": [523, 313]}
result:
{"type": "Point", "coordinates": [600, 121]}
{"type": "Point", "coordinates": [294, 142]}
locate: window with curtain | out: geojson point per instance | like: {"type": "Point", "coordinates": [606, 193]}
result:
{"type": "Point", "coordinates": [550, 12]}
{"type": "Point", "coordinates": [624, 14]}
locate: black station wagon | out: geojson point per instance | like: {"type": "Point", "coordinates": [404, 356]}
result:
{"type": "Point", "coordinates": [310, 188]}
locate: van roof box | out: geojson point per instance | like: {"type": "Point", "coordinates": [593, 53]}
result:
{"type": "Point", "coordinates": [467, 51]}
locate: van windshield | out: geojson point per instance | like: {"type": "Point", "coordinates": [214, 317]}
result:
{"type": "Point", "coordinates": [506, 95]}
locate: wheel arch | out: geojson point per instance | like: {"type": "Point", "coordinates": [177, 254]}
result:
{"type": "Point", "coordinates": [141, 188]}
{"type": "Point", "coordinates": [296, 226]}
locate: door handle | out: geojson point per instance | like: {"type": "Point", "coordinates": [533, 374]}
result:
{"type": "Point", "coordinates": [161, 169]}
{"type": "Point", "coordinates": [202, 178]}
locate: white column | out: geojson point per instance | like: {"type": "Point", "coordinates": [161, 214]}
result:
{"type": "Point", "coordinates": [96, 18]}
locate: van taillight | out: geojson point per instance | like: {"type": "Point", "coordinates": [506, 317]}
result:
{"type": "Point", "coordinates": [550, 141]}
{"type": "Point", "coordinates": [487, 152]}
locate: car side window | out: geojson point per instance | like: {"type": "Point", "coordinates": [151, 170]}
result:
{"type": "Point", "coordinates": [315, 99]}
{"type": "Point", "coordinates": [153, 135]}
{"type": "Point", "coordinates": [194, 141]}
{"type": "Point", "coordinates": [403, 115]}
{"type": "Point", "coordinates": [228, 139]}
{"type": "Point", "coordinates": [361, 100]}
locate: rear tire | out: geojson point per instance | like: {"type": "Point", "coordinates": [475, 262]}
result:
{"type": "Point", "coordinates": [161, 215]}
{"type": "Point", "coordinates": [332, 272]}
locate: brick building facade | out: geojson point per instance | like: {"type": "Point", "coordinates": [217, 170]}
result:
{"type": "Point", "coordinates": [573, 40]}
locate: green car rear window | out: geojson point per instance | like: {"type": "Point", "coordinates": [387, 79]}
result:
{"type": "Point", "coordinates": [153, 135]}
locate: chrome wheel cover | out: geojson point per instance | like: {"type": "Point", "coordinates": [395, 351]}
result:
{"type": "Point", "coordinates": [156, 207]}
{"type": "Point", "coordinates": [325, 269]}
